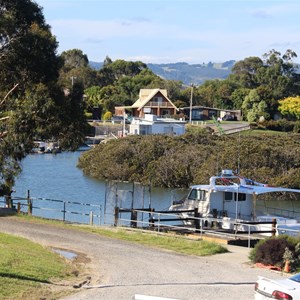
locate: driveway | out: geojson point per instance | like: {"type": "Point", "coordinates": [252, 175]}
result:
{"type": "Point", "coordinates": [121, 270]}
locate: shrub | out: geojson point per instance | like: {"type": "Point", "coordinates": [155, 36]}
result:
{"type": "Point", "coordinates": [271, 251]}
{"type": "Point", "coordinates": [297, 127]}
{"type": "Point", "coordinates": [280, 125]}
{"type": "Point", "coordinates": [107, 116]}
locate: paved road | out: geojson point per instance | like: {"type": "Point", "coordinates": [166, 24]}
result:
{"type": "Point", "coordinates": [120, 270]}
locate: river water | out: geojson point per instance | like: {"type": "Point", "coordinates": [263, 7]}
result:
{"type": "Point", "coordinates": [57, 177]}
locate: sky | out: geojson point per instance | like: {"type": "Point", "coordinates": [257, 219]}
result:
{"type": "Point", "coordinates": [170, 31]}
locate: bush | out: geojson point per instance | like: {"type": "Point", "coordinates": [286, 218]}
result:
{"type": "Point", "coordinates": [273, 251]}
{"type": "Point", "coordinates": [297, 127]}
{"type": "Point", "coordinates": [280, 125]}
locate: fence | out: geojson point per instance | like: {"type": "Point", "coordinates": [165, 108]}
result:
{"type": "Point", "coordinates": [71, 211]}
{"type": "Point", "coordinates": [246, 233]}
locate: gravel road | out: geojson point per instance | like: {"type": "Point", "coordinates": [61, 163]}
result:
{"type": "Point", "coordinates": [120, 270]}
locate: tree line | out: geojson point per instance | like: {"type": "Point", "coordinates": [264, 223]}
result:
{"type": "Point", "coordinates": [262, 88]}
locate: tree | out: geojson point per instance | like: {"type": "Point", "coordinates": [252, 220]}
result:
{"type": "Point", "coordinates": [93, 97]}
{"type": "Point", "coordinates": [245, 71]}
{"type": "Point", "coordinates": [74, 59]}
{"type": "Point", "coordinates": [290, 106]}
{"type": "Point", "coordinates": [76, 69]}
{"type": "Point", "coordinates": [31, 102]}
{"type": "Point", "coordinates": [253, 107]}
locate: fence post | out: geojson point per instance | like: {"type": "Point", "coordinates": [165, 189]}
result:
{"type": "Point", "coordinates": [64, 212]}
{"type": "Point", "coordinates": [29, 203]}
{"type": "Point", "coordinates": [19, 207]}
{"type": "Point", "coordinates": [133, 218]}
{"type": "Point", "coordinates": [151, 219]}
{"type": "Point", "coordinates": [91, 218]}
{"type": "Point", "coordinates": [197, 219]}
{"type": "Point", "coordinates": [116, 216]}
{"type": "Point", "coordinates": [274, 223]}
{"type": "Point", "coordinates": [158, 222]}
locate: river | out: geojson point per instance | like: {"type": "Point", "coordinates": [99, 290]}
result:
{"type": "Point", "coordinates": [57, 177]}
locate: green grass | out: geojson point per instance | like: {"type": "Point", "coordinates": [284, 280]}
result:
{"type": "Point", "coordinates": [174, 243]}
{"type": "Point", "coordinates": [178, 243]}
{"type": "Point", "coordinates": [263, 132]}
{"type": "Point", "coordinates": [25, 266]}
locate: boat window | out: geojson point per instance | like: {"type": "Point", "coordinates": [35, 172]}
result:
{"type": "Point", "coordinates": [228, 196]}
{"type": "Point", "coordinates": [196, 195]}
{"type": "Point", "coordinates": [241, 197]}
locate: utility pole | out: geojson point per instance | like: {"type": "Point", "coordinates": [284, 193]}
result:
{"type": "Point", "coordinates": [191, 103]}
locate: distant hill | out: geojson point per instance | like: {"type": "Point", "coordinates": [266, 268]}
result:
{"type": "Point", "coordinates": [192, 74]}
{"type": "Point", "coordinates": [188, 74]}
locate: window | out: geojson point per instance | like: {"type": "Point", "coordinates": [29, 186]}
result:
{"type": "Point", "coordinates": [241, 197]}
{"type": "Point", "coordinates": [197, 195]}
{"type": "Point", "coordinates": [229, 196]}
{"type": "Point", "coordinates": [157, 100]}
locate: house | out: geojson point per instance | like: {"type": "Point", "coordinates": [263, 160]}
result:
{"type": "Point", "coordinates": [151, 101]}
{"type": "Point", "coordinates": [151, 124]}
{"type": "Point", "coordinates": [202, 113]}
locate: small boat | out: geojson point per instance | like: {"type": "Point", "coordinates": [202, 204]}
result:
{"type": "Point", "coordinates": [229, 202]}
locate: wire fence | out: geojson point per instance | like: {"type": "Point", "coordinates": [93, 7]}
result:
{"type": "Point", "coordinates": [64, 210]}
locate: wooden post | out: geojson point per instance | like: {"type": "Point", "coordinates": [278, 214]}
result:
{"type": "Point", "coordinates": [116, 216]}
{"type": "Point", "coordinates": [91, 218]}
{"type": "Point", "coordinates": [274, 223]}
{"type": "Point", "coordinates": [19, 207]}
{"type": "Point", "coordinates": [134, 218]}
{"type": "Point", "coordinates": [29, 203]}
{"type": "Point", "coordinates": [151, 220]}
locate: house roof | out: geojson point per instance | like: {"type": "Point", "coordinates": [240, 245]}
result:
{"type": "Point", "coordinates": [146, 95]}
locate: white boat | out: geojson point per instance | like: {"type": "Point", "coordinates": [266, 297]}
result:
{"type": "Point", "coordinates": [230, 202]}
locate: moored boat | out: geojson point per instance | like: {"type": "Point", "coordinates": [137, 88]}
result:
{"type": "Point", "coordinates": [231, 202]}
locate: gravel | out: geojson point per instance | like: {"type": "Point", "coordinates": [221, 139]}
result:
{"type": "Point", "coordinates": [122, 270]}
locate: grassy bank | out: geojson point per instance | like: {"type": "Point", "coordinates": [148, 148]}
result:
{"type": "Point", "coordinates": [148, 238]}
{"type": "Point", "coordinates": [27, 270]}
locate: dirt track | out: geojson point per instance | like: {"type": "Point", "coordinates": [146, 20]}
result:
{"type": "Point", "coordinates": [120, 270]}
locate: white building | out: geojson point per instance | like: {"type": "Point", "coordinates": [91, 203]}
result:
{"type": "Point", "coordinates": [151, 124]}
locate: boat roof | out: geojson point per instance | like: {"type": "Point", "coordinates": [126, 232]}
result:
{"type": "Point", "coordinates": [230, 182]}
{"type": "Point", "coordinates": [246, 189]}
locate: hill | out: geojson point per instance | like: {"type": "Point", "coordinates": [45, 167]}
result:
{"type": "Point", "coordinates": [194, 73]}
{"type": "Point", "coordinates": [187, 73]}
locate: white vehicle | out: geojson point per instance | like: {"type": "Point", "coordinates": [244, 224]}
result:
{"type": "Point", "coordinates": [288, 288]}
